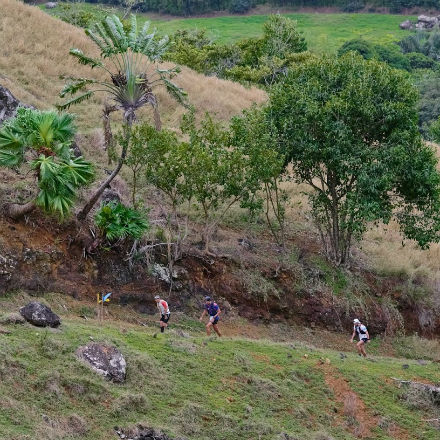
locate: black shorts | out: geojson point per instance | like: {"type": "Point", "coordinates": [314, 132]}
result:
{"type": "Point", "coordinates": [165, 318]}
{"type": "Point", "coordinates": [215, 320]}
{"type": "Point", "coordinates": [364, 340]}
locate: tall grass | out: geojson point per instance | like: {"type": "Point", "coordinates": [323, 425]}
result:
{"type": "Point", "coordinates": [34, 53]}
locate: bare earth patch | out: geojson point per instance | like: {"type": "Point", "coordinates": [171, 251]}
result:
{"type": "Point", "coordinates": [358, 418]}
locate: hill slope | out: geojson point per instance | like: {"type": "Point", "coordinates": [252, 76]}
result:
{"type": "Point", "coordinates": [199, 388]}
{"type": "Point", "coordinates": [34, 53]}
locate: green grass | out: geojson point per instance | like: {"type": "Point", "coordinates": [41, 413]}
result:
{"type": "Point", "coordinates": [190, 386]}
{"type": "Point", "coordinates": [323, 32]}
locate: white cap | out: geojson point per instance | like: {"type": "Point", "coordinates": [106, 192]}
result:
{"type": "Point", "coordinates": [356, 321]}
{"type": "Point", "coordinates": [157, 297]}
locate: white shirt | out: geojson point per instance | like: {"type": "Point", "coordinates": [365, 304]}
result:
{"type": "Point", "coordinates": [361, 331]}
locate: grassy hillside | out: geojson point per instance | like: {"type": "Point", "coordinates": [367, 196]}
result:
{"type": "Point", "coordinates": [323, 32]}
{"type": "Point", "coordinates": [36, 54]}
{"type": "Point", "coordinates": [200, 388]}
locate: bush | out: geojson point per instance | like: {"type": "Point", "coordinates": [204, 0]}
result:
{"type": "Point", "coordinates": [362, 47]}
{"type": "Point", "coordinates": [393, 56]}
{"type": "Point", "coordinates": [354, 6]}
{"type": "Point", "coordinates": [74, 14]}
{"type": "Point", "coordinates": [117, 221]}
{"type": "Point", "coordinates": [420, 61]}
{"type": "Point", "coordinates": [240, 6]}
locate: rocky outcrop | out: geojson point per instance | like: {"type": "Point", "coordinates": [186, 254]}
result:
{"type": "Point", "coordinates": [424, 22]}
{"type": "Point", "coordinates": [8, 104]}
{"type": "Point", "coordinates": [40, 315]}
{"type": "Point", "coordinates": [50, 5]}
{"type": "Point", "coordinates": [106, 360]}
{"type": "Point", "coordinates": [142, 433]}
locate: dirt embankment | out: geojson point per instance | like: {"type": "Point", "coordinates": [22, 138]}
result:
{"type": "Point", "coordinates": [42, 256]}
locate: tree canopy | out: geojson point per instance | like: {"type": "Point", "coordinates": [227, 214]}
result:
{"type": "Point", "coordinates": [348, 127]}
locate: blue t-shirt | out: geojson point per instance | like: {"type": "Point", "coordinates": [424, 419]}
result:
{"type": "Point", "coordinates": [212, 309]}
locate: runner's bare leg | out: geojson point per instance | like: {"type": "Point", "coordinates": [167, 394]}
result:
{"type": "Point", "coordinates": [208, 328]}
{"type": "Point", "coordinates": [216, 329]}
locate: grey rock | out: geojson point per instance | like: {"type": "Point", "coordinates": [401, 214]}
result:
{"type": "Point", "coordinates": [110, 196]}
{"type": "Point", "coordinates": [40, 315]}
{"type": "Point", "coordinates": [12, 318]}
{"type": "Point", "coordinates": [51, 5]}
{"type": "Point", "coordinates": [405, 366]}
{"type": "Point", "coordinates": [106, 360]}
{"type": "Point", "coordinates": [76, 151]}
{"type": "Point", "coordinates": [425, 22]}
{"type": "Point", "coordinates": [8, 104]}
{"type": "Point", "coordinates": [422, 362]}
{"type": "Point", "coordinates": [406, 25]}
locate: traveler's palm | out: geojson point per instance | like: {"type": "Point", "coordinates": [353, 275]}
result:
{"type": "Point", "coordinates": [131, 68]}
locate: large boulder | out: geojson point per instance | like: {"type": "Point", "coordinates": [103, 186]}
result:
{"type": "Point", "coordinates": [51, 5]}
{"type": "Point", "coordinates": [425, 22]}
{"type": "Point", "coordinates": [40, 315]}
{"type": "Point", "coordinates": [8, 104]}
{"type": "Point", "coordinates": [106, 360]}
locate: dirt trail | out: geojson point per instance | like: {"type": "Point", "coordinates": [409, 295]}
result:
{"type": "Point", "coordinates": [354, 414]}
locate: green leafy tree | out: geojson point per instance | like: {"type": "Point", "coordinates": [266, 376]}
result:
{"type": "Point", "coordinates": [223, 170]}
{"type": "Point", "coordinates": [129, 60]}
{"type": "Point", "coordinates": [42, 140]}
{"type": "Point", "coordinates": [118, 222]}
{"type": "Point", "coordinates": [348, 127]}
{"type": "Point", "coordinates": [164, 163]}
{"type": "Point", "coordinates": [266, 167]}
{"type": "Point", "coordinates": [263, 60]}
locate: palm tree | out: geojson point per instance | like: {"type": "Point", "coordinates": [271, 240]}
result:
{"type": "Point", "coordinates": [132, 73]}
{"type": "Point", "coordinates": [43, 139]}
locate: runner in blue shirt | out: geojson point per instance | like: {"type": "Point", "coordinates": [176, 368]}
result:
{"type": "Point", "coordinates": [213, 310]}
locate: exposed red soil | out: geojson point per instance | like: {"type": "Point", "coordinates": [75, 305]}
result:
{"type": "Point", "coordinates": [39, 255]}
{"type": "Point", "coordinates": [354, 414]}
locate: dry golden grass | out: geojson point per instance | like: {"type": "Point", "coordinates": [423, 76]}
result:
{"type": "Point", "coordinates": [34, 53]}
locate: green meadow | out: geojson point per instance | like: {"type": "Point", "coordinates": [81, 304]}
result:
{"type": "Point", "coordinates": [323, 32]}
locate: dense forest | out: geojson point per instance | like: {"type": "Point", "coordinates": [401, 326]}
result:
{"type": "Point", "coordinates": [193, 7]}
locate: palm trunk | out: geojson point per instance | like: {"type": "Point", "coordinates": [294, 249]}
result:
{"type": "Point", "coordinates": [91, 203]}
{"type": "Point", "coordinates": [16, 211]}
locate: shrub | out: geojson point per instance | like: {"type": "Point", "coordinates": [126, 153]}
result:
{"type": "Point", "coordinates": [117, 221]}
{"type": "Point", "coordinates": [362, 47]}
{"type": "Point", "coordinates": [420, 61]}
{"type": "Point", "coordinates": [354, 6]}
{"type": "Point", "coordinates": [240, 6]}
{"type": "Point", "coordinates": [393, 56]}
{"type": "Point", "coordinates": [74, 14]}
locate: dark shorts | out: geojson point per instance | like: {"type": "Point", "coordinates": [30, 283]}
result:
{"type": "Point", "coordinates": [165, 318]}
{"type": "Point", "coordinates": [216, 320]}
{"type": "Point", "coordinates": [364, 340]}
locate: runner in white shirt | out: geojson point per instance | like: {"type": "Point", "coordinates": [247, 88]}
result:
{"type": "Point", "coordinates": [360, 330]}
{"type": "Point", "coordinates": [164, 311]}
